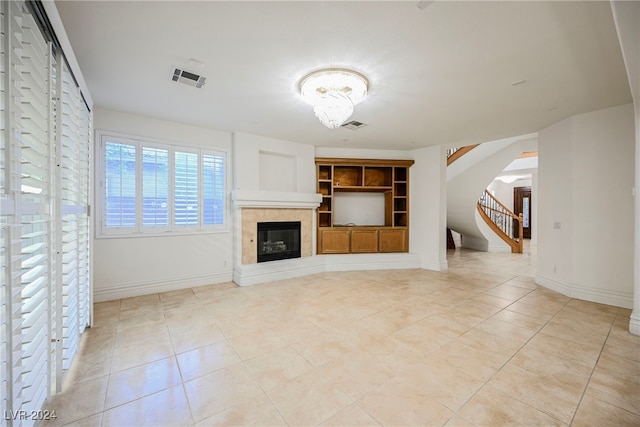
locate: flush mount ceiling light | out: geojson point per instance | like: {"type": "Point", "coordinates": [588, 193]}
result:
{"type": "Point", "coordinates": [508, 179]}
{"type": "Point", "coordinates": [333, 92]}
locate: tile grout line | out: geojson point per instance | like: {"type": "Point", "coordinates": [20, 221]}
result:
{"type": "Point", "coordinates": [535, 334]}
{"type": "Point", "coordinates": [511, 358]}
{"type": "Point", "coordinates": [586, 387]}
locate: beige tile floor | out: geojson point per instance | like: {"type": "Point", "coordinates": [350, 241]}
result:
{"type": "Point", "coordinates": [478, 345]}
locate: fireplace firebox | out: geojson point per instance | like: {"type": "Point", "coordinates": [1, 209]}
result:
{"type": "Point", "coordinates": [278, 240]}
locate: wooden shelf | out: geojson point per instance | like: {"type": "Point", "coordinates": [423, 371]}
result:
{"type": "Point", "coordinates": [359, 188]}
{"type": "Point", "coordinates": [325, 206]}
{"type": "Point", "coordinates": [399, 189]}
{"type": "Point", "coordinates": [377, 176]}
{"type": "Point", "coordinates": [400, 174]}
{"type": "Point", "coordinates": [400, 204]}
{"type": "Point", "coordinates": [390, 177]}
{"type": "Point", "coordinates": [325, 188]}
{"type": "Point", "coordinates": [324, 219]}
{"type": "Point", "coordinates": [347, 176]}
{"type": "Point", "coordinates": [324, 173]}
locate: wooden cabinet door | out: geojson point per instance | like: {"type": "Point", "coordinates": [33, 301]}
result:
{"type": "Point", "coordinates": [363, 241]}
{"type": "Point", "coordinates": [393, 240]}
{"type": "Point", "coordinates": [334, 242]}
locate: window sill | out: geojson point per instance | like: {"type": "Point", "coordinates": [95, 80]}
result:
{"type": "Point", "coordinates": [162, 234]}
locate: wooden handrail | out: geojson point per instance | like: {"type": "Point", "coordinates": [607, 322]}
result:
{"type": "Point", "coordinates": [500, 219]}
{"type": "Point", "coordinates": [455, 153]}
{"type": "Point", "coordinates": [504, 208]}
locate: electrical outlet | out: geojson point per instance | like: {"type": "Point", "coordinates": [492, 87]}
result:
{"type": "Point", "coordinates": [556, 225]}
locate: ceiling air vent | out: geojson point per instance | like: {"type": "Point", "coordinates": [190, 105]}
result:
{"type": "Point", "coordinates": [353, 124]}
{"type": "Point", "coordinates": [191, 79]}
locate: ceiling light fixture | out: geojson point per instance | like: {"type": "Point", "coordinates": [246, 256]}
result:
{"type": "Point", "coordinates": [508, 179]}
{"type": "Point", "coordinates": [333, 92]}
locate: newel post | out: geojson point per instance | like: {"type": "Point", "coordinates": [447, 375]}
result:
{"type": "Point", "coordinates": [520, 235]}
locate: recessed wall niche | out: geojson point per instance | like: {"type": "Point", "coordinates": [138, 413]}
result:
{"type": "Point", "coordinates": [277, 172]}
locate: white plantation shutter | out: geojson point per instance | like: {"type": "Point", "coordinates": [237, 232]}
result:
{"type": "Point", "coordinates": [5, 310]}
{"type": "Point", "coordinates": [4, 313]}
{"type": "Point", "coordinates": [84, 229]}
{"type": "Point", "coordinates": [155, 187]}
{"type": "Point", "coordinates": [44, 226]}
{"type": "Point", "coordinates": [213, 183]}
{"type": "Point", "coordinates": [67, 248]}
{"type": "Point", "coordinates": [34, 155]}
{"type": "Point", "coordinates": [119, 186]}
{"type": "Point", "coordinates": [53, 322]}
{"type": "Point", "coordinates": [186, 189]}
{"type": "Point", "coordinates": [72, 218]}
{"type": "Point", "coordinates": [25, 217]}
{"type": "Point", "coordinates": [14, 371]}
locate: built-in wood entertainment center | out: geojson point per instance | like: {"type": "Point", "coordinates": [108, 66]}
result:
{"type": "Point", "coordinates": [389, 178]}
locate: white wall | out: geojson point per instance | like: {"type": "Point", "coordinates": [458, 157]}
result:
{"type": "Point", "coordinates": [428, 209]}
{"type": "Point", "coordinates": [585, 215]}
{"type": "Point", "coordinates": [534, 208]}
{"type": "Point", "coordinates": [358, 208]}
{"type": "Point", "coordinates": [136, 266]}
{"type": "Point", "coordinates": [503, 191]}
{"type": "Point", "coordinates": [626, 15]}
{"type": "Point", "coordinates": [358, 153]}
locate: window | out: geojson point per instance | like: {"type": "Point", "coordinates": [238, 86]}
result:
{"type": "Point", "coordinates": [151, 188]}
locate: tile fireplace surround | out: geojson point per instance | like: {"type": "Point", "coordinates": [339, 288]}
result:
{"type": "Point", "coordinates": [252, 216]}
{"type": "Point", "coordinates": [252, 207]}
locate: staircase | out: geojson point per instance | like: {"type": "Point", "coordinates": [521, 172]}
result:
{"type": "Point", "coordinates": [454, 154]}
{"type": "Point", "coordinates": [485, 224]}
{"type": "Point", "coordinates": [503, 222]}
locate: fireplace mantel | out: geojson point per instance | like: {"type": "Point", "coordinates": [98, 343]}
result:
{"type": "Point", "coordinates": [275, 199]}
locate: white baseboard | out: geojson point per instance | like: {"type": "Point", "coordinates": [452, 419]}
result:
{"type": "Point", "coordinates": [436, 266]}
{"type": "Point", "coordinates": [484, 245]}
{"type": "Point", "coordinates": [634, 323]}
{"type": "Point", "coordinates": [554, 284]}
{"type": "Point", "coordinates": [352, 262]}
{"type": "Point", "coordinates": [601, 296]}
{"type": "Point", "coordinates": [253, 274]}
{"type": "Point", "coordinates": [146, 288]}
{"type": "Point", "coordinates": [499, 248]}
{"type": "Point", "coordinates": [475, 244]}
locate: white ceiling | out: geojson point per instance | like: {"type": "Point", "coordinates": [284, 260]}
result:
{"type": "Point", "coordinates": [442, 75]}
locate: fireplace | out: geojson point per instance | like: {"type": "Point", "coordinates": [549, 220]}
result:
{"type": "Point", "coordinates": [278, 240]}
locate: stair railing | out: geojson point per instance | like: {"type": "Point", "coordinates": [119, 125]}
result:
{"type": "Point", "coordinates": [502, 221]}
{"type": "Point", "coordinates": [454, 154]}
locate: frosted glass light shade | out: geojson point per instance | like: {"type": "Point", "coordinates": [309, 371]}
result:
{"type": "Point", "coordinates": [333, 93]}
{"type": "Point", "coordinates": [333, 109]}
